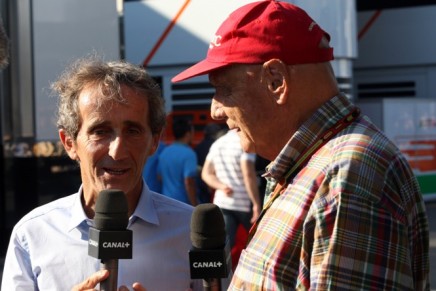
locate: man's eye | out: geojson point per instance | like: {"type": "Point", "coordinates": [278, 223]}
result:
{"type": "Point", "coordinates": [134, 131]}
{"type": "Point", "coordinates": [224, 91]}
{"type": "Point", "coordinates": [99, 132]}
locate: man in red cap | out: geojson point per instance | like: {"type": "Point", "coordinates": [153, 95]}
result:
{"type": "Point", "coordinates": [343, 209]}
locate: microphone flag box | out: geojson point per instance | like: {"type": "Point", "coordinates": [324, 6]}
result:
{"type": "Point", "coordinates": [110, 244]}
{"type": "Point", "coordinates": [212, 263]}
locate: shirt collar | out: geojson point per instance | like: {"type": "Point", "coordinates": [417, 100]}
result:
{"type": "Point", "coordinates": [77, 213]}
{"type": "Point", "coordinates": [145, 209]}
{"type": "Point", "coordinates": [311, 130]}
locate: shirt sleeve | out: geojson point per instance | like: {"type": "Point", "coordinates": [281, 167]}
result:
{"type": "Point", "coordinates": [17, 273]}
{"type": "Point", "coordinates": [248, 157]}
{"type": "Point", "coordinates": [212, 152]}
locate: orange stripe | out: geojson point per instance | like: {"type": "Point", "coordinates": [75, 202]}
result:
{"type": "Point", "coordinates": [165, 33]}
{"type": "Point", "coordinates": [368, 24]}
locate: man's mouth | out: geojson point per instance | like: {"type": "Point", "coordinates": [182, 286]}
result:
{"type": "Point", "coordinates": [116, 172]}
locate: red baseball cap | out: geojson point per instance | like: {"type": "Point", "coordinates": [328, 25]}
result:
{"type": "Point", "coordinates": [260, 31]}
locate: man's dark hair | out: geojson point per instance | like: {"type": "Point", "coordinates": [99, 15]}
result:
{"type": "Point", "coordinates": [181, 127]}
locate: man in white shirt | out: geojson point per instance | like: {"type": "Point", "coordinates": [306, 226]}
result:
{"type": "Point", "coordinates": [231, 172]}
{"type": "Point", "coordinates": [110, 120]}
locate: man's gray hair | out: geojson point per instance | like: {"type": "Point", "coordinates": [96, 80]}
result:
{"type": "Point", "coordinates": [106, 78]}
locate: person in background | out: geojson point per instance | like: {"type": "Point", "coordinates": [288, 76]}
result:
{"type": "Point", "coordinates": [231, 172]}
{"type": "Point", "coordinates": [177, 167]}
{"type": "Point", "coordinates": [110, 119]}
{"type": "Point", "coordinates": [150, 170]}
{"type": "Point", "coordinates": [4, 46]}
{"type": "Point", "coordinates": [343, 209]}
{"type": "Point", "coordinates": [211, 132]}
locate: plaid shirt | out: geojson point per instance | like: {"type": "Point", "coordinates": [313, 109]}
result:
{"type": "Point", "coordinates": [352, 218]}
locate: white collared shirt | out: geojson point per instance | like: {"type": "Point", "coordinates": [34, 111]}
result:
{"type": "Point", "coordinates": [48, 249]}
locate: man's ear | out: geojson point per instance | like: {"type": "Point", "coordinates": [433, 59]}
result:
{"type": "Point", "coordinates": [69, 144]}
{"type": "Point", "coordinates": [277, 79]}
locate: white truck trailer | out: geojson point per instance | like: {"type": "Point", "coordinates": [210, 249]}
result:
{"type": "Point", "coordinates": [395, 81]}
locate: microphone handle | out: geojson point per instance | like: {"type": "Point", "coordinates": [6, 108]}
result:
{"type": "Point", "coordinates": [110, 284]}
{"type": "Point", "coordinates": [212, 284]}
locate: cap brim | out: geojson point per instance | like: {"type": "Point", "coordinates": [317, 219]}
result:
{"type": "Point", "coordinates": [200, 68]}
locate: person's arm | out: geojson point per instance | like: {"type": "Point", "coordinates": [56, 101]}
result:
{"type": "Point", "coordinates": [190, 173]}
{"type": "Point", "coordinates": [209, 177]}
{"type": "Point", "coordinates": [191, 189]}
{"type": "Point", "coordinates": [250, 181]}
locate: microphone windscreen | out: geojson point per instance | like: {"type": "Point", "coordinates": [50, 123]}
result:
{"type": "Point", "coordinates": [111, 210]}
{"type": "Point", "coordinates": [207, 227]}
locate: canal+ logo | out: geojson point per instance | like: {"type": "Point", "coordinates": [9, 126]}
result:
{"type": "Point", "coordinates": [207, 264]}
{"type": "Point", "coordinates": [110, 245]}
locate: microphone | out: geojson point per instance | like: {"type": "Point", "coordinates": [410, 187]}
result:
{"type": "Point", "coordinates": [109, 240]}
{"type": "Point", "coordinates": [209, 258]}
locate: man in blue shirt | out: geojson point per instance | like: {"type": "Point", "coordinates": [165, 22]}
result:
{"type": "Point", "coordinates": [110, 120]}
{"type": "Point", "coordinates": [150, 170]}
{"type": "Point", "coordinates": [178, 165]}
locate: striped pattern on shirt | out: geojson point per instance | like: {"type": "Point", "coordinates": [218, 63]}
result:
{"type": "Point", "coordinates": [226, 155]}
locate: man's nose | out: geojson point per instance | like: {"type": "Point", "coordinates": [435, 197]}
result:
{"type": "Point", "coordinates": [217, 110]}
{"type": "Point", "coordinates": [117, 149]}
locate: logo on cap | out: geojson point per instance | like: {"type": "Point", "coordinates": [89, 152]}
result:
{"type": "Point", "coordinates": [216, 41]}
{"type": "Point", "coordinates": [312, 25]}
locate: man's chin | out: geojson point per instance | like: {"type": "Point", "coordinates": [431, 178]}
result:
{"type": "Point", "coordinates": [248, 147]}
{"type": "Point", "coordinates": [117, 186]}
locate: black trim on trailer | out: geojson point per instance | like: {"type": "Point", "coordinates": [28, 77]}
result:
{"type": "Point", "coordinates": [363, 5]}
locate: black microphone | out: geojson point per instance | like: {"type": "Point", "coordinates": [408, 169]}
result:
{"type": "Point", "coordinates": [209, 257]}
{"type": "Point", "coordinates": [109, 240]}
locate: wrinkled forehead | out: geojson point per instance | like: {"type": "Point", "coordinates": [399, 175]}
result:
{"type": "Point", "coordinates": [233, 72]}
{"type": "Point", "coordinates": [101, 95]}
